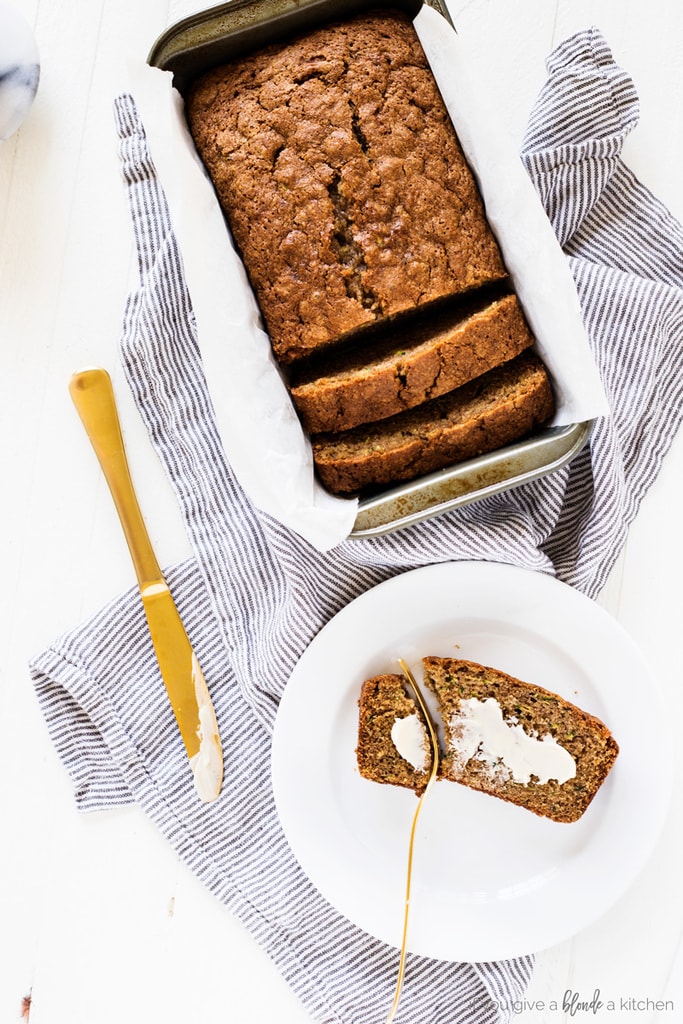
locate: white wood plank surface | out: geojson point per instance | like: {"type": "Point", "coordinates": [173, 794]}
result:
{"type": "Point", "coordinates": [101, 922]}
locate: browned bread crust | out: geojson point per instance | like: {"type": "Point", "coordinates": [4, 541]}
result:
{"type": "Point", "coordinates": [342, 179]}
{"type": "Point", "coordinates": [539, 712]}
{"type": "Point", "coordinates": [413, 365]}
{"type": "Point", "coordinates": [383, 699]}
{"type": "Point", "coordinates": [499, 407]}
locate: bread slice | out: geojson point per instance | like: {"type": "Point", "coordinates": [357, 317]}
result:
{"type": "Point", "coordinates": [383, 702]}
{"type": "Point", "coordinates": [418, 361]}
{"type": "Point", "coordinates": [499, 407]}
{"type": "Point", "coordinates": [535, 722]}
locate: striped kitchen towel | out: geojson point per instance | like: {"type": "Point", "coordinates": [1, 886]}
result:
{"type": "Point", "coordinates": [255, 594]}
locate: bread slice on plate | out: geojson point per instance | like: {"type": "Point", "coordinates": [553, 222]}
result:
{"type": "Point", "coordinates": [505, 737]}
{"type": "Point", "coordinates": [518, 741]}
{"type": "Point", "coordinates": [393, 744]}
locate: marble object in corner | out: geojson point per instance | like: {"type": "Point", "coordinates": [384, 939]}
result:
{"type": "Point", "coordinates": [19, 69]}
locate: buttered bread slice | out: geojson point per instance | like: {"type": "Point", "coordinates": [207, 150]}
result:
{"type": "Point", "coordinates": [393, 745]}
{"type": "Point", "coordinates": [502, 736]}
{"type": "Point", "coordinates": [518, 741]}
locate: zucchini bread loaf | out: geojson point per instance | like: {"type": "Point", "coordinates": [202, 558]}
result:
{"type": "Point", "coordinates": [365, 239]}
{"type": "Point", "coordinates": [342, 179]}
{"type": "Point", "coordinates": [502, 736]}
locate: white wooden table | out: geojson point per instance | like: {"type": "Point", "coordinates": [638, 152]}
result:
{"type": "Point", "coordinates": [101, 923]}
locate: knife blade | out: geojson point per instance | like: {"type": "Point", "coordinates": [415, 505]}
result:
{"type": "Point", "coordinates": [92, 393]}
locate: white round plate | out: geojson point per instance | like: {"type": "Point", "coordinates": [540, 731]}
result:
{"type": "Point", "coordinates": [490, 880]}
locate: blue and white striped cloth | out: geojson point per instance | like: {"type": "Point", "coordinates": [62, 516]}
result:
{"type": "Point", "coordinates": [255, 594]}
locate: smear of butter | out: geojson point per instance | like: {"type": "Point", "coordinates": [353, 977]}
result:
{"type": "Point", "coordinates": [408, 736]}
{"type": "Point", "coordinates": [207, 763]}
{"type": "Point", "coordinates": [480, 731]}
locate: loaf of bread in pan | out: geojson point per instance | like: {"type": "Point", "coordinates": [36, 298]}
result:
{"type": "Point", "coordinates": [499, 407]}
{"type": "Point", "coordinates": [518, 741]}
{"type": "Point", "coordinates": [384, 705]}
{"type": "Point", "coordinates": [411, 364]}
{"type": "Point", "coordinates": [342, 180]}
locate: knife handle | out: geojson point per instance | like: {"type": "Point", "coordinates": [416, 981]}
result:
{"type": "Point", "coordinates": [93, 395]}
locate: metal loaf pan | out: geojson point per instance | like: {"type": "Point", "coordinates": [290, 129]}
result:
{"type": "Point", "coordinates": [232, 29]}
{"type": "Point", "coordinates": [218, 34]}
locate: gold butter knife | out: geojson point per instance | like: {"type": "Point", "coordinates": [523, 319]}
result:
{"type": "Point", "coordinates": [93, 395]}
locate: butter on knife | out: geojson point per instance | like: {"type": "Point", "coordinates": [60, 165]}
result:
{"type": "Point", "coordinates": [92, 394]}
